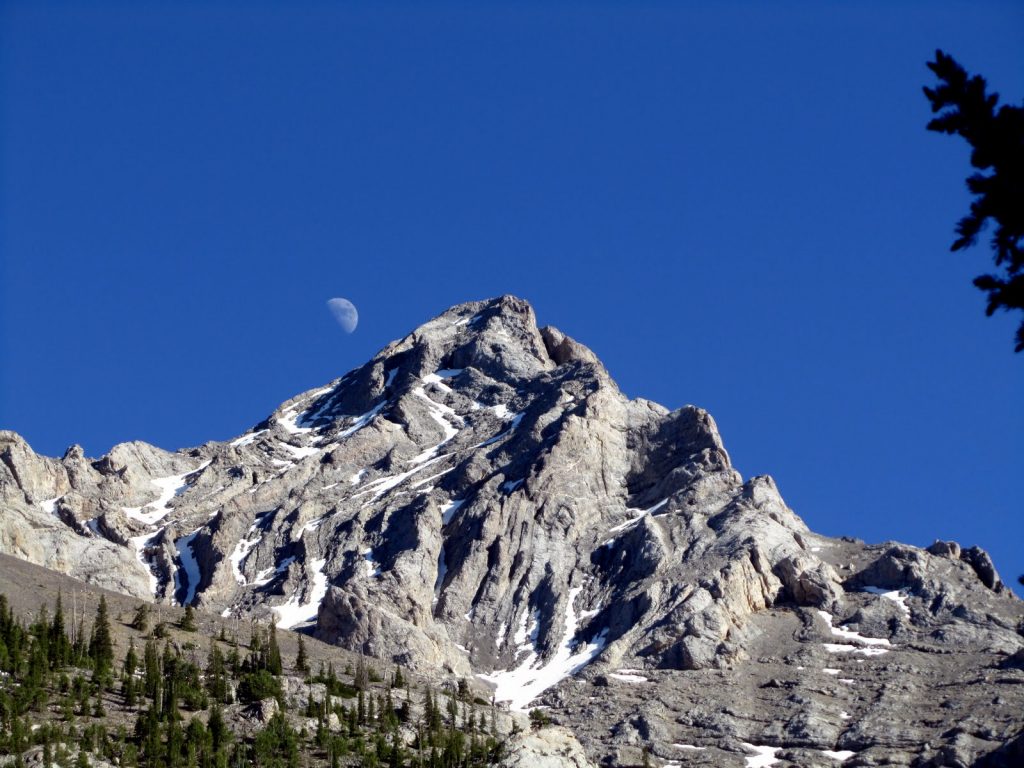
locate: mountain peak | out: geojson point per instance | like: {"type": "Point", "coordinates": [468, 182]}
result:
{"type": "Point", "coordinates": [480, 498]}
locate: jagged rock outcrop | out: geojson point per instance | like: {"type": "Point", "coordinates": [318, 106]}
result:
{"type": "Point", "coordinates": [481, 498]}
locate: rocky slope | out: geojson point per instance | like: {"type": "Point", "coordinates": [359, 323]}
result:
{"type": "Point", "coordinates": [481, 498]}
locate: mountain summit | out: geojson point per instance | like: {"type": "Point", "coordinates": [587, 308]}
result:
{"type": "Point", "coordinates": [481, 499]}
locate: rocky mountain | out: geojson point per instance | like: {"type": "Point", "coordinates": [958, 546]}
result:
{"type": "Point", "coordinates": [481, 499]}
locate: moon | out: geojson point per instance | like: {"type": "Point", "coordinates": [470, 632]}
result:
{"type": "Point", "coordinates": [345, 313]}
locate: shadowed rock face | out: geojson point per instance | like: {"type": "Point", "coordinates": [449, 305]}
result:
{"type": "Point", "coordinates": [481, 498]}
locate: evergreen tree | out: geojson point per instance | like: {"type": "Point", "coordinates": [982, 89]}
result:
{"type": "Point", "coordinates": [273, 665]}
{"type": "Point", "coordinates": [60, 647]}
{"type": "Point", "coordinates": [188, 620]}
{"type": "Point", "coordinates": [301, 662]}
{"type": "Point", "coordinates": [101, 646]}
{"type": "Point", "coordinates": [140, 622]}
{"type": "Point", "coordinates": [996, 137]}
{"type": "Point", "coordinates": [131, 660]}
{"type": "Point", "coordinates": [216, 675]}
{"type": "Point", "coordinates": [361, 679]}
{"type": "Point", "coordinates": [219, 734]}
{"type": "Point", "coordinates": [152, 671]}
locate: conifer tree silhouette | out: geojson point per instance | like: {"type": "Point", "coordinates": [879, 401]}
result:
{"type": "Point", "coordinates": [996, 136]}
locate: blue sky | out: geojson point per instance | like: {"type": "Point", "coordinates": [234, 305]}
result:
{"type": "Point", "coordinates": [735, 206]}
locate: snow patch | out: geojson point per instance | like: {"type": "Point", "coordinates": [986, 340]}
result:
{"type": "Point", "coordinates": [841, 755]}
{"type": "Point", "coordinates": [363, 420]}
{"type": "Point", "coordinates": [294, 612]}
{"type": "Point", "coordinates": [304, 419]}
{"type": "Point", "coordinates": [896, 595]}
{"type": "Point", "coordinates": [267, 574]}
{"type": "Point", "coordinates": [500, 640]}
{"type": "Point", "coordinates": [762, 757]}
{"type": "Point", "coordinates": [628, 676]}
{"type": "Point", "coordinates": [448, 510]}
{"type": "Point", "coordinates": [424, 481]}
{"type": "Point", "coordinates": [513, 424]}
{"type": "Point", "coordinates": [869, 651]}
{"type": "Point", "coordinates": [289, 420]}
{"type": "Point", "coordinates": [442, 414]}
{"type": "Point", "coordinates": [523, 684]}
{"type": "Point", "coordinates": [638, 515]}
{"type": "Point", "coordinates": [384, 484]}
{"type": "Point", "coordinates": [502, 412]}
{"type": "Point", "coordinates": [847, 634]}
{"type": "Point", "coordinates": [244, 546]}
{"type": "Point", "coordinates": [247, 439]}
{"type": "Point", "coordinates": [170, 486]}
{"type": "Point", "coordinates": [510, 485]}
{"type": "Point", "coordinates": [50, 506]}
{"type": "Point", "coordinates": [140, 543]}
{"type": "Point", "coordinates": [372, 569]}
{"type": "Point", "coordinates": [299, 452]}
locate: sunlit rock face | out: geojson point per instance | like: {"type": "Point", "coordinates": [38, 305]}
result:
{"type": "Point", "coordinates": [481, 499]}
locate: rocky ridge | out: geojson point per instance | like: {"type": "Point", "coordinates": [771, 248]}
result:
{"type": "Point", "coordinates": [481, 498]}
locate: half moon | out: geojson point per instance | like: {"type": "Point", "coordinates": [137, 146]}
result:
{"type": "Point", "coordinates": [345, 313]}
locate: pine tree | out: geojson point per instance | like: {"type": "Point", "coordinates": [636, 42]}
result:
{"type": "Point", "coordinates": [361, 679]}
{"type": "Point", "coordinates": [140, 622]}
{"type": "Point", "coordinates": [188, 620]}
{"type": "Point", "coordinates": [128, 690]}
{"type": "Point", "coordinates": [131, 660]}
{"type": "Point", "coordinates": [152, 671]}
{"type": "Point", "coordinates": [216, 682]}
{"type": "Point", "coordinates": [101, 646]}
{"type": "Point", "coordinates": [60, 650]}
{"type": "Point", "coordinates": [274, 665]}
{"type": "Point", "coordinates": [218, 729]}
{"type": "Point", "coordinates": [301, 662]}
{"type": "Point", "coordinates": [996, 136]}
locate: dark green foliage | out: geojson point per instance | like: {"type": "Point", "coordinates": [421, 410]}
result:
{"type": "Point", "coordinates": [188, 620]}
{"type": "Point", "coordinates": [140, 622]}
{"type": "Point", "coordinates": [301, 662]}
{"type": "Point", "coordinates": [538, 719]}
{"type": "Point", "coordinates": [273, 664]}
{"type": "Point", "coordinates": [277, 745]}
{"type": "Point", "coordinates": [101, 645]}
{"type": "Point", "coordinates": [217, 676]}
{"type": "Point", "coordinates": [361, 678]}
{"type": "Point", "coordinates": [996, 137]}
{"type": "Point", "coordinates": [258, 685]}
{"type": "Point", "coordinates": [70, 703]}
